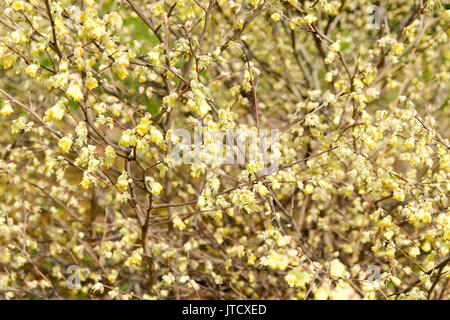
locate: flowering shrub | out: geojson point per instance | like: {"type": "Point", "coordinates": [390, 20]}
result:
{"type": "Point", "coordinates": [95, 205]}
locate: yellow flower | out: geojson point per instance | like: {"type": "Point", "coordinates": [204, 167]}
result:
{"type": "Point", "coordinates": [203, 107]}
{"type": "Point", "coordinates": [396, 281]}
{"type": "Point", "coordinates": [74, 90]}
{"type": "Point", "coordinates": [153, 57]}
{"type": "Point", "coordinates": [322, 293]}
{"type": "Point", "coordinates": [121, 67]}
{"type": "Point", "coordinates": [87, 180]}
{"type": "Point", "coordinates": [123, 181]}
{"type": "Point", "coordinates": [110, 156]}
{"type": "Point", "coordinates": [156, 188]}
{"type": "Point", "coordinates": [398, 48]}
{"type": "Point", "coordinates": [113, 293]}
{"type": "Point", "coordinates": [17, 5]}
{"type": "Point", "coordinates": [261, 189]}
{"type": "Point", "coordinates": [310, 18]}
{"type": "Point", "coordinates": [64, 65]}
{"type": "Point", "coordinates": [409, 143]}
{"type": "Point", "coordinates": [414, 252]}
{"type": "Point", "coordinates": [171, 99]}
{"type": "Point", "coordinates": [32, 69]}
{"type": "Point", "coordinates": [144, 125]}
{"type": "Point", "coordinates": [57, 111]}
{"type": "Point", "coordinates": [127, 138]}
{"type": "Point", "coordinates": [94, 28]}
{"type": "Point", "coordinates": [134, 259]}
{"type": "Point", "coordinates": [98, 288]}
{"type": "Point", "coordinates": [156, 136]}
{"type": "Point", "coordinates": [337, 269]}
{"type": "Point", "coordinates": [6, 109]}
{"type": "Point", "coordinates": [298, 277]}
{"type": "Point", "coordinates": [178, 223]}
{"type": "Point", "coordinates": [8, 61]}
{"type": "Point", "coordinates": [309, 188]}
{"type": "Point", "coordinates": [278, 261]}
{"type": "Point", "coordinates": [18, 124]}
{"type": "Point", "coordinates": [336, 46]}
{"type": "Point", "coordinates": [157, 9]}
{"type": "Point", "coordinates": [100, 107]}
{"type": "Point", "coordinates": [18, 37]}
{"type": "Point", "coordinates": [91, 83]}
{"type": "Point", "coordinates": [115, 20]}
{"type": "Point", "coordinates": [65, 143]}
{"type": "Point", "coordinates": [275, 16]}
{"type": "Point", "coordinates": [393, 141]}
{"type": "Point", "coordinates": [399, 194]}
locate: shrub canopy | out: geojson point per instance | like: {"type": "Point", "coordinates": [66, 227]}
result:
{"type": "Point", "coordinates": [94, 204]}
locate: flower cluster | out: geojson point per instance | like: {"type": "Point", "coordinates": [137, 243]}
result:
{"type": "Point", "coordinates": [92, 94]}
